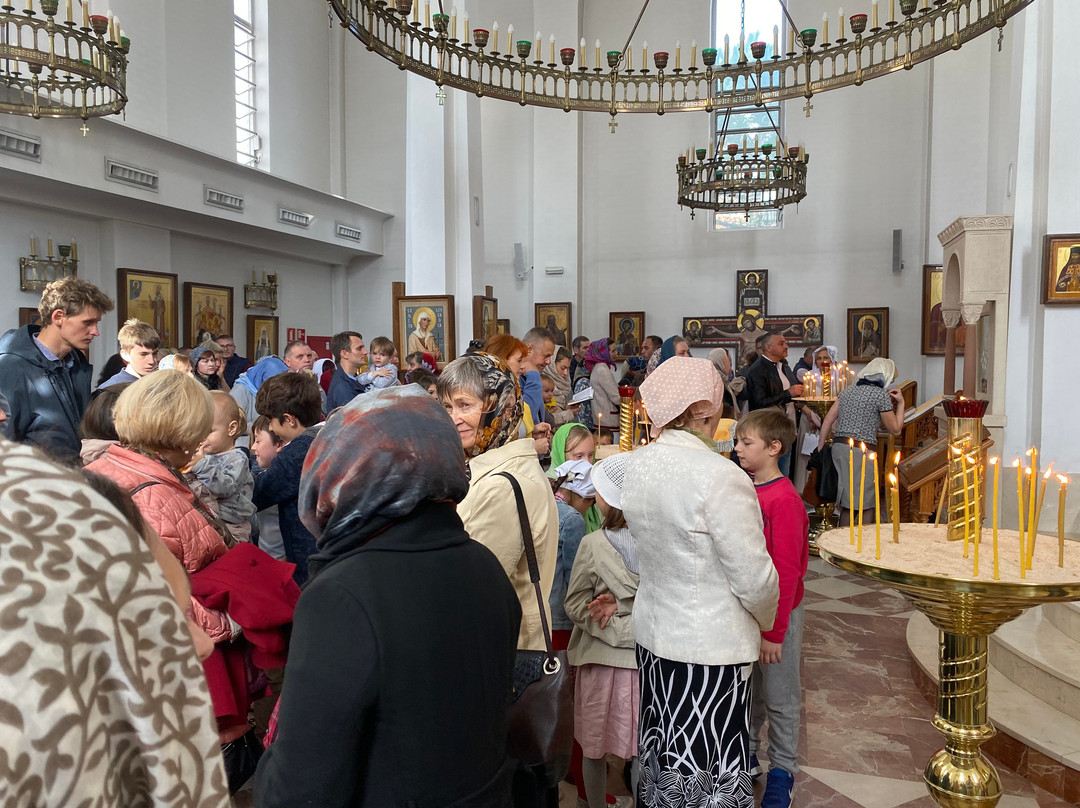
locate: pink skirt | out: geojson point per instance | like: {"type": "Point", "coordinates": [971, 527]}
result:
{"type": "Point", "coordinates": [606, 703]}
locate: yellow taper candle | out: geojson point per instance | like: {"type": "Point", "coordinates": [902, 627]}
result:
{"type": "Point", "coordinates": [1034, 527]}
{"type": "Point", "coordinates": [997, 468]}
{"type": "Point", "coordinates": [1064, 481]}
{"type": "Point", "coordinates": [976, 535]}
{"type": "Point", "coordinates": [851, 489]}
{"type": "Point", "coordinates": [877, 509]}
{"type": "Point", "coordinates": [1025, 538]}
{"type": "Point", "coordinates": [1033, 453]}
{"type": "Point", "coordinates": [967, 506]}
{"type": "Point", "coordinates": [862, 492]}
{"type": "Point", "coordinates": [894, 496]}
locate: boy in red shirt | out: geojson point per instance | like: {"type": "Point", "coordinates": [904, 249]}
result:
{"type": "Point", "coordinates": [763, 437]}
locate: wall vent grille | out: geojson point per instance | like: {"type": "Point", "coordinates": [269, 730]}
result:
{"type": "Point", "coordinates": [19, 145]}
{"type": "Point", "coordinates": [347, 231]}
{"type": "Point", "coordinates": [294, 217]}
{"type": "Point", "coordinates": [131, 175]}
{"type": "Point", "coordinates": [221, 199]}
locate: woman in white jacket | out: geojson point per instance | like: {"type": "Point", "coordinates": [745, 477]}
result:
{"type": "Point", "coordinates": [708, 588]}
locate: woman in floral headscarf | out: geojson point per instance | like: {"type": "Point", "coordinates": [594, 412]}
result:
{"type": "Point", "coordinates": [377, 646]}
{"type": "Point", "coordinates": [708, 589]}
{"type": "Point", "coordinates": [603, 409]}
{"type": "Point", "coordinates": [483, 401]}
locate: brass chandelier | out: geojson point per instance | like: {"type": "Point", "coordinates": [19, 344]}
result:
{"type": "Point", "coordinates": [449, 52]}
{"type": "Point", "coordinates": [57, 68]}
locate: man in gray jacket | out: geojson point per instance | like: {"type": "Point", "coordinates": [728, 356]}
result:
{"type": "Point", "coordinates": [44, 373]}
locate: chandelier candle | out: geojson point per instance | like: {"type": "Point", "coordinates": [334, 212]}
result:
{"type": "Point", "coordinates": [693, 54]}
{"type": "Point", "coordinates": [841, 15]}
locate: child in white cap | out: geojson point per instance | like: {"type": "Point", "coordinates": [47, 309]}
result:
{"type": "Point", "coordinates": [572, 483]}
{"type": "Point", "coordinates": [600, 601]}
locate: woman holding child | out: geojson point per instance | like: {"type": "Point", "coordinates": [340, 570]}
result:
{"type": "Point", "coordinates": [708, 588]}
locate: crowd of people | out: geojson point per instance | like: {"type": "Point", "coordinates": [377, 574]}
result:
{"type": "Point", "coordinates": [376, 560]}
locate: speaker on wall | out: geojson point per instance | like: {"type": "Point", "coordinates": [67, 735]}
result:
{"type": "Point", "coordinates": [897, 251]}
{"type": "Point", "coordinates": [520, 270]}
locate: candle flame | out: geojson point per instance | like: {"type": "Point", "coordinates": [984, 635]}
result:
{"type": "Point", "coordinates": [862, 446]}
{"type": "Point", "coordinates": [1047, 475]}
{"type": "Point", "coordinates": [851, 442]}
{"type": "Point", "coordinates": [896, 459]}
{"type": "Point", "coordinates": [972, 459]}
{"type": "Point", "coordinates": [1016, 463]}
{"type": "Point", "coordinates": [956, 450]}
{"type": "Point", "coordinates": [872, 455]}
{"type": "Point", "coordinates": [892, 479]}
{"type": "Point", "coordinates": [993, 461]}
{"type": "Point", "coordinates": [1029, 451]}
{"type": "Point", "coordinates": [1027, 471]}
{"type": "Point", "coordinates": [1063, 479]}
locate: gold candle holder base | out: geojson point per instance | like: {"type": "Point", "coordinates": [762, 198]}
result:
{"type": "Point", "coordinates": [966, 612]}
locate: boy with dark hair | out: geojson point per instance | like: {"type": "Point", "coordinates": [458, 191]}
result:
{"type": "Point", "coordinates": [764, 436]}
{"type": "Point", "coordinates": [292, 403]}
{"type": "Point", "coordinates": [138, 342]}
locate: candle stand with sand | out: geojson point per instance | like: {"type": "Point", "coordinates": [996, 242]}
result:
{"type": "Point", "coordinates": [966, 607]}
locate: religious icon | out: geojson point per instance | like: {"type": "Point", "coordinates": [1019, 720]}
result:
{"type": "Point", "coordinates": [208, 311]}
{"type": "Point", "coordinates": [812, 330]}
{"type": "Point", "coordinates": [868, 334]}
{"type": "Point", "coordinates": [425, 324]}
{"type": "Point", "coordinates": [151, 297]}
{"type": "Point", "coordinates": [502, 325]}
{"type": "Point", "coordinates": [262, 336]}
{"type": "Point", "coordinates": [627, 328]}
{"type": "Point", "coordinates": [555, 317]}
{"type": "Point", "coordinates": [751, 290]}
{"type": "Point", "coordinates": [485, 317]}
{"type": "Point", "coordinates": [1061, 269]}
{"type": "Point", "coordinates": [933, 324]}
{"type": "Point", "coordinates": [692, 332]}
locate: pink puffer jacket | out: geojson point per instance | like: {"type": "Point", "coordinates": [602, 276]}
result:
{"type": "Point", "coordinates": [168, 507]}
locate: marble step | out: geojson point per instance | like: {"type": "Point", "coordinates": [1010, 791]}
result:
{"type": "Point", "coordinates": [1013, 710]}
{"type": "Point", "coordinates": [1033, 653]}
{"type": "Point", "coordinates": [1066, 616]}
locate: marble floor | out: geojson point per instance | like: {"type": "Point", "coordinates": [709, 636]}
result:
{"type": "Point", "coordinates": [866, 733]}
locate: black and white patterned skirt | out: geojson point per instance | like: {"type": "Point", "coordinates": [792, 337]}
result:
{"type": "Point", "coordinates": [694, 738]}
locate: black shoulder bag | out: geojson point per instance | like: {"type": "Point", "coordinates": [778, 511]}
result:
{"type": "Point", "coordinates": [540, 730]}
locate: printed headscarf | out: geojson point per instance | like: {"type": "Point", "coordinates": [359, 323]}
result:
{"type": "Point", "coordinates": [597, 353]}
{"type": "Point", "coordinates": [254, 376]}
{"type": "Point", "coordinates": [678, 384]}
{"type": "Point", "coordinates": [373, 462]}
{"type": "Point", "coordinates": [879, 371]}
{"type": "Point", "coordinates": [497, 427]}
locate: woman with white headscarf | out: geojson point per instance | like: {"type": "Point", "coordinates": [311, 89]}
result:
{"type": "Point", "coordinates": [708, 589]}
{"type": "Point", "coordinates": [857, 415]}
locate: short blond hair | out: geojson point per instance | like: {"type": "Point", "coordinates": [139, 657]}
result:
{"type": "Point", "coordinates": [233, 410]}
{"type": "Point", "coordinates": [167, 410]}
{"type": "Point", "coordinates": [136, 332]}
{"type": "Point", "coordinates": [71, 295]}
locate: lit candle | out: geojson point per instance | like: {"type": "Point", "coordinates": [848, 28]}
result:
{"type": "Point", "coordinates": [862, 492]}
{"type": "Point", "coordinates": [997, 468]}
{"type": "Point", "coordinates": [877, 509]}
{"type": "Point", "coordinates": [678, 54]}
{"type": "Point", "coordinates": [1064, 481]}
{"type": "Point", "coordinates": [894, 496]}
{"type": "Point", "coordinates": [727, 60]}
{"type": "Point", "coordinates": [824, 27]}
{"type": "Point", "coordinates": [851, 489]}
{"type": "Point", "coordinates": [841, 16]}
{"type": "Point", "coordinates": [1029, 482]}
{"type": "Point", "coordinates": [1033, 453]}
{"type": "Point", "coordinates": [776, 40]}
{"type": "Point", "coordinates": [693, 53]}
{"type": "Point", "coordinates": [1038, 512]}
{"type": "Point", "coordinates": [1020, 511]}
{"type": "Point", "coordinates": [873, 8]}
{"type": "Point", "coordinates": [551, 42]}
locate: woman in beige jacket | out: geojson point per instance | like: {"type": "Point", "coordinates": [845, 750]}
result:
{"type": "Point", "coordinates": [483, 400]}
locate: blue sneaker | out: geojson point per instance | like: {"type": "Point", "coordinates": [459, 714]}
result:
{"type": "Point", "coordinates": [778, 788]}
{"type": "Point", "coordinates": [755, 767]}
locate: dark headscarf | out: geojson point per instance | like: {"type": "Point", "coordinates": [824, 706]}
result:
{"type": "Point", "coordinates": [598, 353]}
{"type": "Point", "coordinates": [376, 459]}
{"type": "Point", "coordinates": [667, 350]}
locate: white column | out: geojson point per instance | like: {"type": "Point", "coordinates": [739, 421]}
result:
{"type": "Point", "coordinates": [425, 189]}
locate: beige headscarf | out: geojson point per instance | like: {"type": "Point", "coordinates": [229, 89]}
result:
{"type": "Point", "coordinates": [681, 383]}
